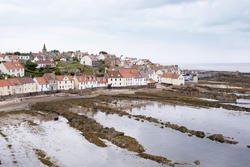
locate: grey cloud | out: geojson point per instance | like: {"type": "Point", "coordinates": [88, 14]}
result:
{"type": "Point", "coordinates": [194, 24]}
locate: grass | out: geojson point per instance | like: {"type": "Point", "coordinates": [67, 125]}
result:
{"type": "Point", "coordinates": [70, 66]}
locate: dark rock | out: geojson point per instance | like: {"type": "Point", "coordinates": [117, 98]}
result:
{"type": "Point", "coordinates": [217, 137]}
{"type": "Point", "coordinates": [200, 134]}
{"type": "Point", "coordinates": [248, 146]}
{"type": "Point", "coordinates": [183, 129]}
{"type": "Point", "coordinates": [197, 162]}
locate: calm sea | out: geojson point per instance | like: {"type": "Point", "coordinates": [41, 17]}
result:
{"type": "Point", "coordinates": [241, 67]}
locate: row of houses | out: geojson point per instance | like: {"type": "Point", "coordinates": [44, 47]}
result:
{"type": "Point", "coordinates": [49, 82]}
{"type": "Point", "coordinates": [124, 77]}
{"type": "Point", "coordinates": [13, 58]}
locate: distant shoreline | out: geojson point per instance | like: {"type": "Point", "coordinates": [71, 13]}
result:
{"type": "Point", "coordinates": [226, 67]}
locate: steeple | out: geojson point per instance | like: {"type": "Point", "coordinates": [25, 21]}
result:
{"type": "Point", "coordinates": [44, 49]}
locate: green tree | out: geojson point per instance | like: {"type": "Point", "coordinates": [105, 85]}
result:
{"type": "Point", "coordinates": [58, 72]}
{"type": "Point", "coordinates": [17, 53]}
{"type": "Point", "coordinates": [103, 52]}
{"type": "Point", "coordinates": [30, 65]}
{"type": "Point", "coordinates": [75, 59]}
{"type": "Point", "coordinates": [101, 69]}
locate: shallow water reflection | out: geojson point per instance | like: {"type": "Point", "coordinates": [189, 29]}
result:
{"type": "Point", "coordinates": [213, 120]}
{"type": "Point", "coordinates": [64, 145]}
{"type": "Point", "coordinates": [178, 146]}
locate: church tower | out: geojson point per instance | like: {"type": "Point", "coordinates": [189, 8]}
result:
{"type": "Point", "coordinates": [44, 51]}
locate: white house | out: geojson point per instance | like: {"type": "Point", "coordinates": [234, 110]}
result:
{"type": "Point", "coordinates": [156, 76]}
{"type": "Point", "coordinates": [86, 60]}
{"type": "Point", "coordinates": [29, 85]}
{"type": "Point", "coordinates": [42, 84]}
{"type": "Point", "coordinates": [51, 79]}
{"type": "Point", "coordinates": [43, 64]}
{"type": "Point", "coordinates": [80, 82]}
{"type": "Point", "coordinates": [64, 82]}
{"type": "Point", "coordinates": [5, 88]}
{"type": "Point", "coordinates": [12, 68]}
{"type": "Point", "coordinates": [17, 86]}
{"type": "Point", "coordinates": [23, 57]}
{"type": "Point", "coordinates": [86, 81]}
{"type": "Point", "coordinates": [115, 79]}
{"type": "Point", "coordinates": [172, 79]}
{"type": "Point", "coordinates": [102, 82]}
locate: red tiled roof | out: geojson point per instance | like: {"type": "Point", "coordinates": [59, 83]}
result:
{"type": "Point", "coordinates": [48, 75]}
{"type": "Point", "coordinates": [13, 65]}
{"type": "Point", "coordinates": [114, 74]}
{"type": "Point", "coordinates": [102, 80]}
{"type": "Point", "coordinates": [4, 83]}
{"type": "Point", "coordinates": [41, 81]}
{"type": "Point", "coordinates": [9, 66]}
{"type": "Point", "coordinates": [17, 65]}
{"type": "Point", "coordinates": [85, 78]}
{"type": "Point", "coordinates": [14, 81]}
{"type": "Point", "coordinates": [171, 75]}
{"type": "Point", "coordinates": [70, 77]}
{"type": "Point", "coordinates": [26, 80]}
{"type": "Point", "coordinates": [128, 72]}
{"type": "Point", "coordinates": [35, 54]}
{"type": "Point", "coordinates": [60, 77]}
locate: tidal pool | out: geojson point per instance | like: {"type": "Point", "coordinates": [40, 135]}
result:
{"type": "Point", "coordinates": [230, 123]}
{"type": "Point", "coordinates": [178, 146]}
{"type": "Point", "coordinates": [64, 145]}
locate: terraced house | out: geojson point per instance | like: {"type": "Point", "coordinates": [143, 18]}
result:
{"type": "Point", "coordinates": [115, 79]}
{"type": "Point", "coordinates": [29, 85]}
{"type": "Point", "coordinates": [88, 81]}
{"type": "Point", "coordinates": [17, 86]}
{"type": "Point", "coordinates": [122, 77]}
{"type": "Point", "coordinates": [5, 88]}
{"type": "Point", "coordinates": [42, 84]}
{"type": "Point", "coordinates": [172, 79]}
{"type": "Point", "coordinates": [64, 82]}
{"type": "Point", "coordinates": [12, 68]}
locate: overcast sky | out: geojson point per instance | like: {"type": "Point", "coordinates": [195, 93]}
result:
{"type": "Point", "coordinates": [166, 31]}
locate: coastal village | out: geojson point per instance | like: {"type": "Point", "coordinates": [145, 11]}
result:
{"type": "Point", "coordinates": [45, 71]}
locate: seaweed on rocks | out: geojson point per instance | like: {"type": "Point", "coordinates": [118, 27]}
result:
{"type": "Point", "coordinates": [220, 138]}
{"type": "Point", "coordinates": [158, 159]}
{"type": "Point", "coordinates": [93, 131]}
{"type": "Point", "coordinates": [44, 159]}
{"type": "Point", "coordinates": [197, 162]}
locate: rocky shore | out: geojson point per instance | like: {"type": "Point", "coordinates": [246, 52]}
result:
{"type": "Point", "coordinates": [201, 95]}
